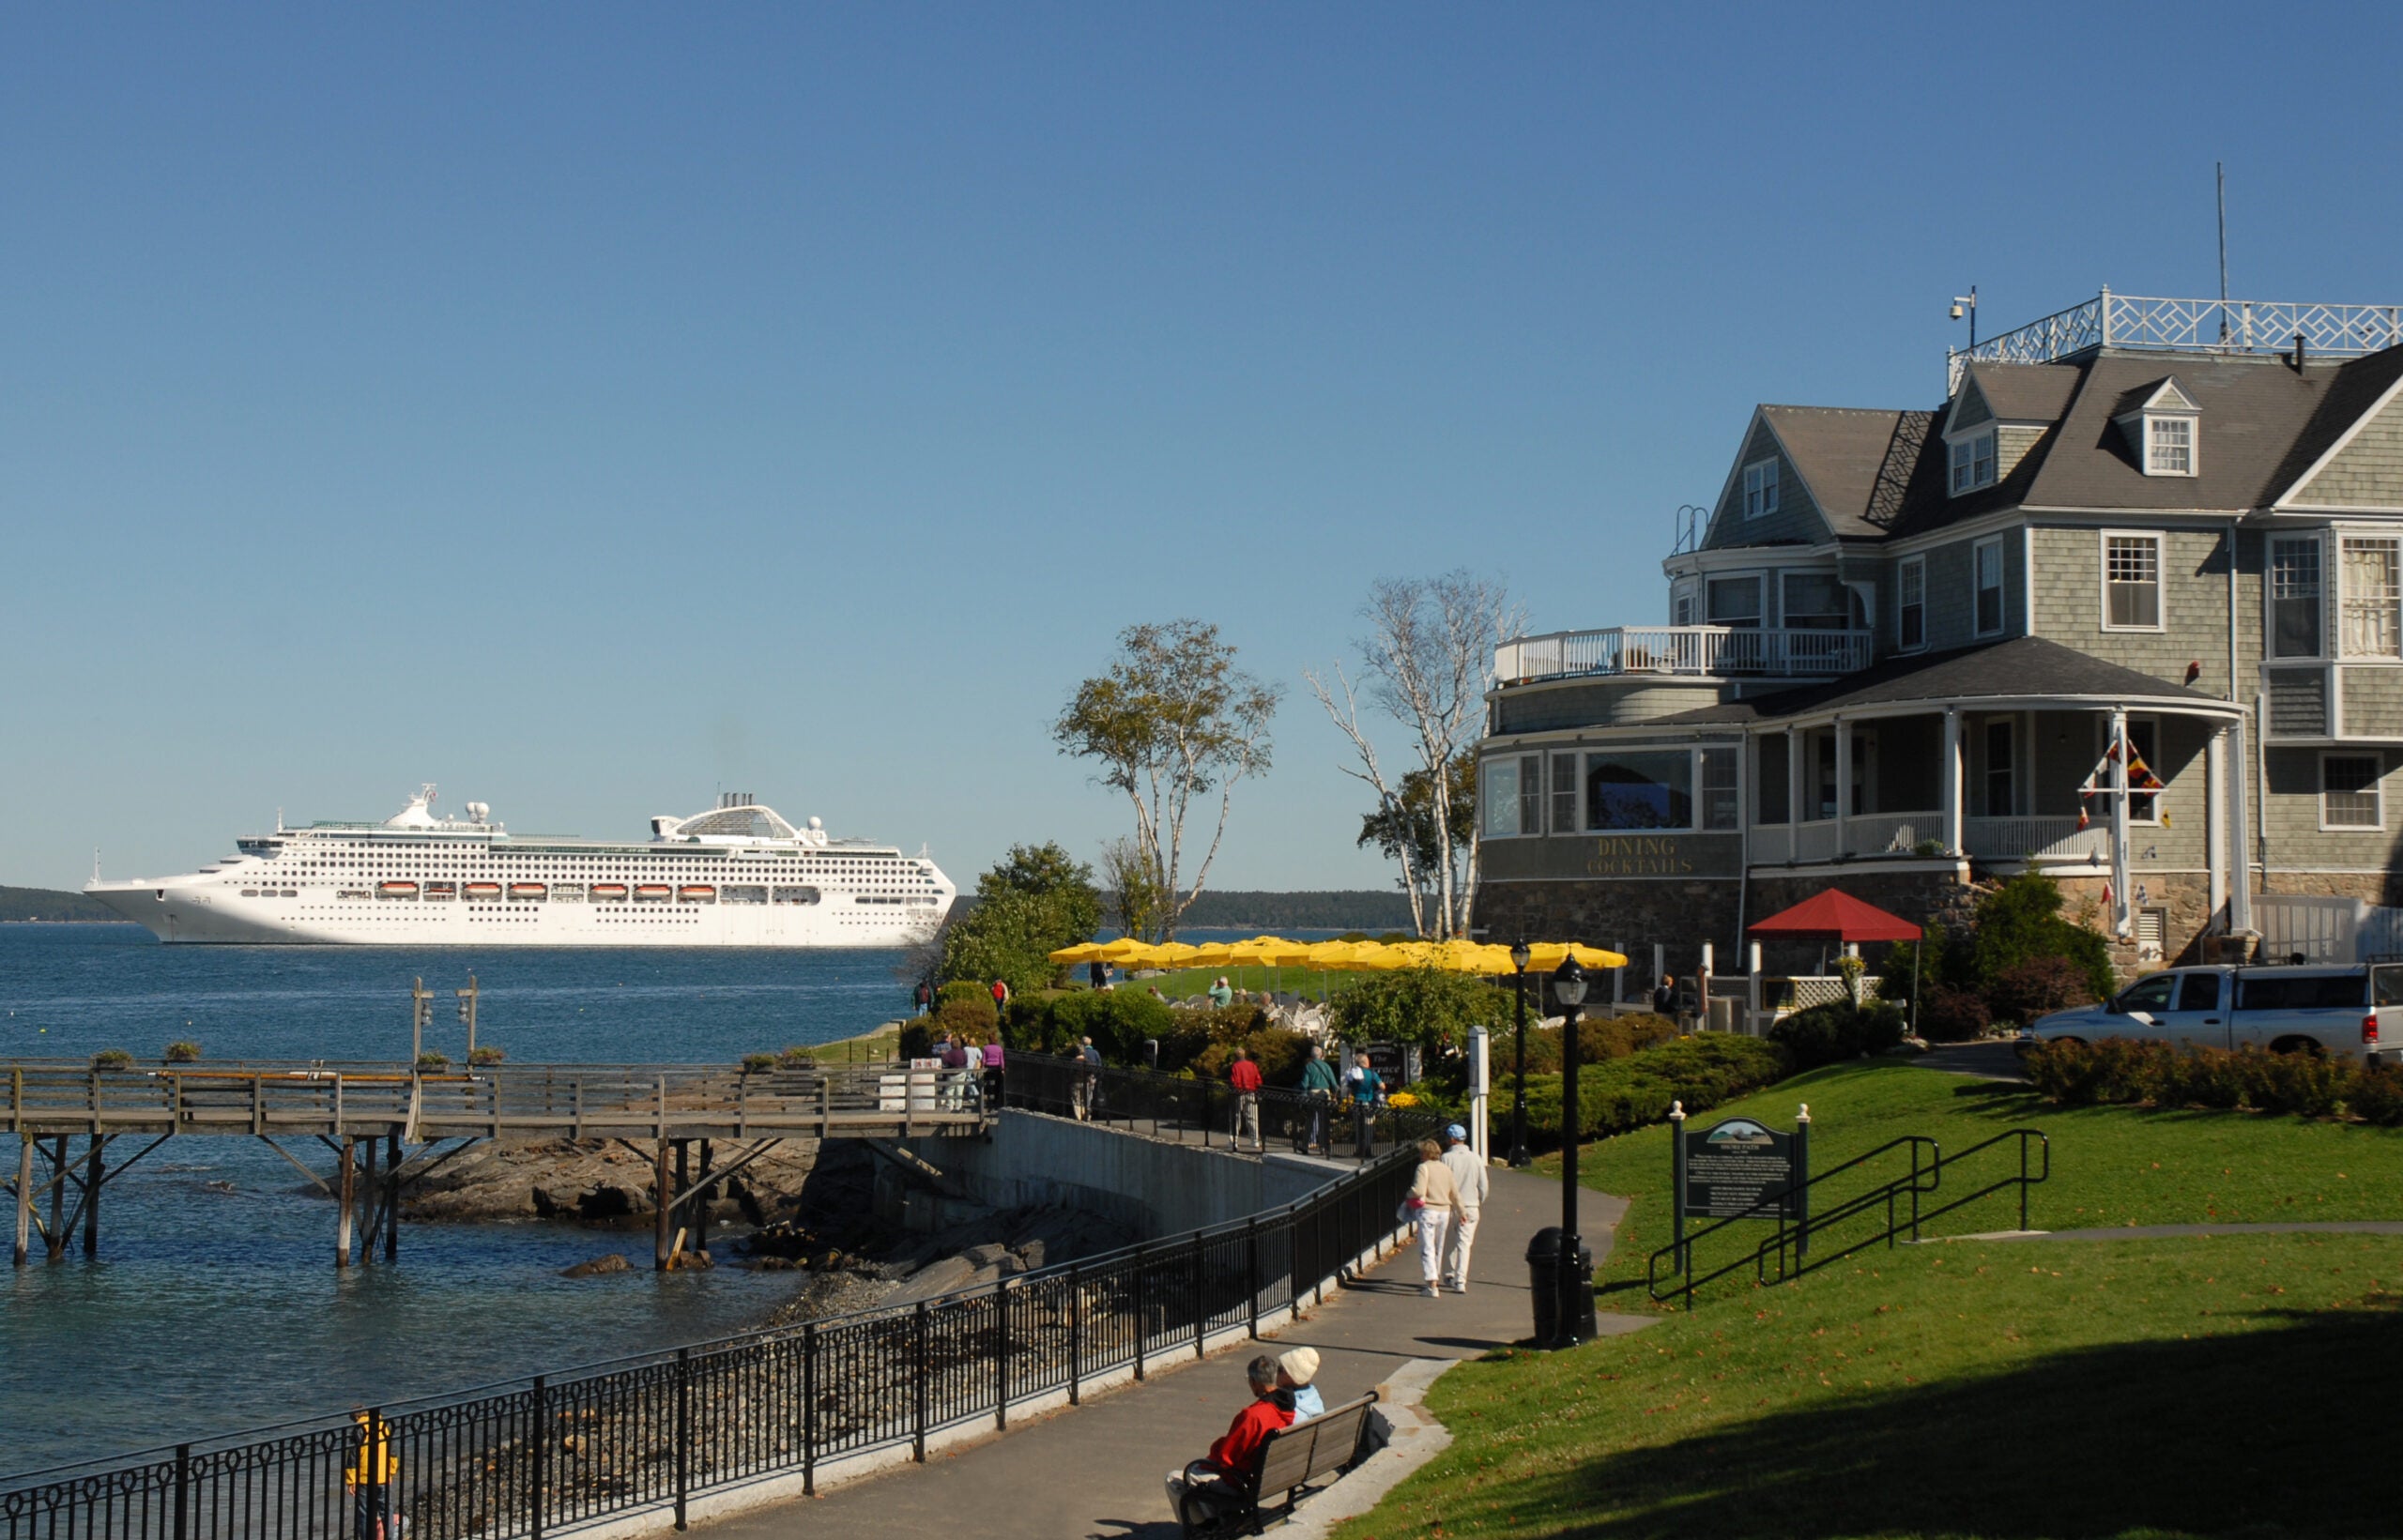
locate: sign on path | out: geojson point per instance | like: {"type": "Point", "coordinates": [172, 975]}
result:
{"type": "Point", "coordinates": [1739, 1169]}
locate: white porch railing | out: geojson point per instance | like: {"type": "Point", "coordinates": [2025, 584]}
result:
{"type": "Point", "coordinates": [2035, 839]}
{"type": "Point", "coordinates": [1772, 844]}
{"type": "Point", "coordinates": [1815, 841]}
{"type": "Point", "coordinates": [1890, 833]}
{"type": "Point", "coordinates": [1695, 652]}
{"type": "Point", "coordinates": [1807, 990]}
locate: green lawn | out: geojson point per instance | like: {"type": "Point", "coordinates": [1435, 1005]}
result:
{"type": "Point", "coordinates": [2111, 1165]}
{"type": "Point", "coordinates": [1195, 980]}
{"type": "Point", "coordinates": [2220, 1386]}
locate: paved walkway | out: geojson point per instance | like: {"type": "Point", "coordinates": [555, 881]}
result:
{"type": "Point", "coordinates": [2148, 1232]}
{"type": "Point", "coordinates": [1094, 1470]}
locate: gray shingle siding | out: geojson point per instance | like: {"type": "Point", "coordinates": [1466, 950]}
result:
{"type": "Point", "coordinates": [1951, 595]}
{"type": "Point", "coordinates": [2292, 824]}
{"type": "Point", "coordinates": [2298, 703]}
{"type": "Point", "coordinates": [2367, 472]}
{"type": "Point", "coordinates": [1796, 517]}
{"type": "Point", "coordinates": [2373, 700]}
{"type": "Point", "coordinates": [2194, 601]}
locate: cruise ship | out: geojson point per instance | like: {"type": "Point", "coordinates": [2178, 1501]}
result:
{"type": "Point", "coordinates": [737, 875]}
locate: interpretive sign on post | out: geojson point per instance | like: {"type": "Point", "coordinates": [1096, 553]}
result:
{"type": "Point", "coordinates": [1739, 1169]}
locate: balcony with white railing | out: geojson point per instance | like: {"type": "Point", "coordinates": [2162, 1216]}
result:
{"type": "Point", "coordinates": [2138, 323]}
{"type": "Point", "coordinates": [1861, 836]}
{"type": "Point", "coordinates": [2036, 839]}
{"type": "Point", "coordinates": [1683, 651]}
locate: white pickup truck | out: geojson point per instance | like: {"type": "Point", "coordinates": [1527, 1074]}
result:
{"type": "Point", "coordinates": [2339, 1009]}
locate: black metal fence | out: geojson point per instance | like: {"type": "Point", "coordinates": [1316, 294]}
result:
{"type": "Point", "coordinates": [1205, 1111]}
{"type": "Point", "coordinates": [535, 1456]}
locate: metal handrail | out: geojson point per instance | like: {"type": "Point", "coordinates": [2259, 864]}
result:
{"type": "Point", "coordinates": [1790, 1243]}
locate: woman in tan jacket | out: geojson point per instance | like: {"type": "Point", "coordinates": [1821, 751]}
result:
{"type": "Point", "coordinates": [1434, 1202]}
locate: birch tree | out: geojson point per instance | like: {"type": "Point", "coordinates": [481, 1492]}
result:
{"type": "Point", "coordinates": [1172, 721]}
{"type": "Point", "coordinates": [1427, 663]}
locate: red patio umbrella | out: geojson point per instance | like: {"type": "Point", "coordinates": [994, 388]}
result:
{"type": "Point", "coordinates": [1837, 916]}
{"type": "Point", "coordinates": [1834, 916]}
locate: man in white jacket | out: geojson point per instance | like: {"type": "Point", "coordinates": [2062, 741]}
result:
{"type": "Point", "coordinates": [1469, 1174]}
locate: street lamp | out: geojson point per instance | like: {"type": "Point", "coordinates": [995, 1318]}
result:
{"type": "Point", "coordinates": [1569, 986]}
{"type": "Point", "coordinates": [1519, 955]}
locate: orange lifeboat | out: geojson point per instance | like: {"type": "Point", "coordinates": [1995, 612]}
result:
{"type": "Point", "coordinates": [609, 891]}
{"type": "Point", "coordinates": [651, 893]}
{"type": "Point", "coordinates": [697, 893]}
{"type": "Point", "coordinates": [397, 889]}
{"type": "Point", "coordinates": [528, 890]}
{"type": "Point", "coordinates": [481, 890]}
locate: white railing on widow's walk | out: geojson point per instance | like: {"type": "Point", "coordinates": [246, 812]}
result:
{"type": "Point", "coordinates": [1697, 652]}
{"type": "Point", "coordinates": [2143, 324]}
{"type": "Point", "coordinates": [2036, 839]}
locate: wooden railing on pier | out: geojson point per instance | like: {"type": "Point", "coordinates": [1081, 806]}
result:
{"type": "Point", "coordinates": [579, 1101]}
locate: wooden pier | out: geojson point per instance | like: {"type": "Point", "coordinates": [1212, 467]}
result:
{"type": "Point", "coordinates": [417, 1121]}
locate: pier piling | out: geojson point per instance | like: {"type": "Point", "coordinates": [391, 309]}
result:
{"type": "Point", "coordinates": [25, 1196]}
{"type": "Point", "coordinates": [57, 1235]}
{"type": "Point", "coordinates": [345, 1195]}
{"type": "Point", "coordinates": [664, 1202]}
{"type": "Point", "coordinates": [93, 1181]}
{"type": "Point", "coordinates": [393, 1196]}
{"type": "Point", "coordinates": [367, 1202]}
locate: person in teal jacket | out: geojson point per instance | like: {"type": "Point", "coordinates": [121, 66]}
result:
{"type": "Point", "coordinates": [1367, 1094]}
{"type": "Point", "coordinates": [1319, 1085]}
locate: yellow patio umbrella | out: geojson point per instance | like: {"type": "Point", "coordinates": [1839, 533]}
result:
{"type": "Point", "coordinates": [1175, 955]}
{"type": "Point", "coordinates": [1126, 949]}
{"type": "Point", "coordinates": [1543, 956]}
{"type": "Point", "coordinates": [1083, 952]}
{"type": "Point", "coordinates": [1209, 954]}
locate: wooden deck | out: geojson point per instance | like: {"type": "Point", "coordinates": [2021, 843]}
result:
{"type": "Point", "coordinates": [534, 1101]}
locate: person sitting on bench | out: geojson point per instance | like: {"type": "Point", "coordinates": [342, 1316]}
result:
{"type": "Point", "coordinates": [1220, 1480]}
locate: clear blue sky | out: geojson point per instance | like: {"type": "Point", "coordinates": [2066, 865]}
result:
{"type": "Point", "coordinates": [585, 407]}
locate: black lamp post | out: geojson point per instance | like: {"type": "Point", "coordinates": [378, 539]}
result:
{"type": "Point", "coordinates": [1519, 955]}
{"type": "Point", "coordinates": [1569, 985]}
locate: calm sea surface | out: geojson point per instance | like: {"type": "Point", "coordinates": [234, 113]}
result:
{"type": "Point", "coordinates": [215, 1305]}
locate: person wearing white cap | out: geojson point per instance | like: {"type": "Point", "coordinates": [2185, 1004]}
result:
{"type": "Point", "coordinates": [1295, 1369]}
{"type": "Point", "coordinates": [1470, 1176]}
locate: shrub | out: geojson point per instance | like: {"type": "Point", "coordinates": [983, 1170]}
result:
{"type": "Point", "coordinates": [917, 1041]}
{"type": "Point", "coordinates": [1279, 1052]}
{"type": "Point", "coordinates": [1839, 1030]}
{"type": "Point", "coordinates": [1599, 1039]}
{"type": "Point", "coordinates": [183, 1053]}
{"type": "Point", "coordinates": [1950, 1016]}
{"type": "Point", "coordinates": [1117, 1020]}
{"type": "Point", "coordinates": [432, 1060]}
{"type": "Point", "coordinates": [2117, 1071]}
{"type": "Point", "coordinates": [794, 1057]}
{"type": "Point", "coordinates": [1426, 1006]}
{"type": "Point", "coordinates": [2038, 986]}
{"type": "Point", "coordinates": [2094, 1074]}
{"type": "Point", "coordinates": [113, 1058]}
{"type": "Point", "coordinates": [2375, 1095]}
{"type": "Point", "coordinates": [975, 1018]}
{"type": "Point", "coordinates": [1626, 1094]}
{"type": "Point", "coordinates": [970, 990]}
{"type": "Point", "coordinates": [483, 1055]}
{"type": "Point", "coordinates": [2020, 922]}
{"type": "Point", "coordinates": [758, 1063]}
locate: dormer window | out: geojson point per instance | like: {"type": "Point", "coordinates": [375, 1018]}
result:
{"type": "Point", "coordinates": [2162, 425]}
{"type": "Point", "coordinates": [1760, 488]}
{"type": "Point", "coordinates": [1973, 463]}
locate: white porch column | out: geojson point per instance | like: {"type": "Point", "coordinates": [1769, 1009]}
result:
{"type": "Point", "coordinates": [1950, 781]}
{"type": "Point", "coordinates": [2215, 820]}
{"type": "Point", "coordinates": [1793, 794]}
{"type": "Point", "coordinates": [1844, 780]}
{"type": "Point", "coordinates": [1752, 990]}
{"type": "Point", "coordinates": [2122, 916]}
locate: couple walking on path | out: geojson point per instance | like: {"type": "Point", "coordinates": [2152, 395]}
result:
{"type": "Point", "coordinates": [1445, 1200]}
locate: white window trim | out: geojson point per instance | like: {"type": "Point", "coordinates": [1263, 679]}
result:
{"type": "Point", "coordinates": [1702, 598]}
{"type": "Point", "coordinates": [1484, 808]}
{"type": "Point", "coordinates": [2194, 442]}
{"type": "Point", "coordinates": [1769, 502]}
{"type": "Point", "coordinates": [2001, 587]}
{"type": "Point", "coordinates": [1843, 595]}
{"type": "Point", "coordinates": [1693, 753]}
{"type": "Point", "coordinates": [1962, 449]}
{"type": "Point", "coordinates": [1917, 564]}
{"type": "Point", "coordinates": [2160, 576]}
{"type": "Point", "coordinates": [2328, 613]}
{"type": "Point", "coordinates": [2378, 788]}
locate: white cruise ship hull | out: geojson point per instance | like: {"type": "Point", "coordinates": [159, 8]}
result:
{"type": "Point", "coordinates": [736, 876]}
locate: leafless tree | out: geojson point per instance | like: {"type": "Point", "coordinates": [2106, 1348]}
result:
{"type": "Point", "coordinates": [1427, 662]}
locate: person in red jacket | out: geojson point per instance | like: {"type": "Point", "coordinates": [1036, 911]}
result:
{"type": "Point", "coordinates": [1205, 1486]}
{"type": "Point", "coordinates": [1245, 1076]}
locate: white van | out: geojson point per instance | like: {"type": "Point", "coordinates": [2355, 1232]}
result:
{"type": "Point", "coordinates": [2348, 1009]}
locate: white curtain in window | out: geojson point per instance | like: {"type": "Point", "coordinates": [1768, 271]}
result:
{"type": "Point", "coordinates": [2373, 588]}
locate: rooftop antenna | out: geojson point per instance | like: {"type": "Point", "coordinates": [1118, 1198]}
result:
{"type": "Point", "coordinates": [1968, 303]}
{"type": "Point", "coordinates": [2219, 169]}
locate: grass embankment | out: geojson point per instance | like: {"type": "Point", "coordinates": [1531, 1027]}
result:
{"type": "Point", "coordinates": [1186, 982]}
{"type": "Point", "coordinates": [2146, 1386]}
{"type": "Point", "coordinates": [867, 1048]}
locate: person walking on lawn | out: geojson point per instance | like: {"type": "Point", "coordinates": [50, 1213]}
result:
{"type": "Point", "coordinates": [1434, 1202]}
{"type": "Point", "coordinates": [1470, 1176]}
{"type": "Point", "coordinates": [1367, 1094]}
{"type": "Point", "coordinates": [1244, 1076]}
{"type": "Point", "coordinates": [1222, 1478]}
{"type": "Point", "coordinates": [1319, 1085]}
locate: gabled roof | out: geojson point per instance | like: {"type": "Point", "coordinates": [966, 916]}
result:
{"type": "Point", "coordinates": [2162, 395]}
{"type": "Point", "coordinates": [2008, 670]}
{"type": "Point", "coordinates": [2026, 392]}
{"type": "Point", "coordinates": [1839, 452]}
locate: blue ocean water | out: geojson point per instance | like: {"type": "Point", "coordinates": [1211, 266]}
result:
{"type": "Point", "coordinates": [214, 1304]}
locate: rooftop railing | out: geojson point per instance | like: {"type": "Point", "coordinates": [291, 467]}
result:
{"type": "Point", "coordinates": [1694, 651]}
{"type": "Point", "coordinates": [2138, 324]}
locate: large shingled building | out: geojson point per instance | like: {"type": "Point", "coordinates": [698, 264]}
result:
{"type": "Point", "coordinates": [1903, 643]}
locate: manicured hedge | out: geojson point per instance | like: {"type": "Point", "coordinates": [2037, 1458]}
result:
{"type": "Point", "coordinates": [1702, 1071]}
{"type": "Point", "coordinates": [2117, 1071]}
{"type": "Point", "coordinates": [1839, 1030]}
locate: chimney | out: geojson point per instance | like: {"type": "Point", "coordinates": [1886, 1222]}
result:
{"type": "Point", "coordinates": [2298, 352]}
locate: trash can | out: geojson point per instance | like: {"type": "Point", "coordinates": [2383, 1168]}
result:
{"type": "Point", "coordinates": [1544, 1263]}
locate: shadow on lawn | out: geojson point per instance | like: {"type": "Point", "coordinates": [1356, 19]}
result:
{"type": "Point", "coordinates": [2279, 1431]}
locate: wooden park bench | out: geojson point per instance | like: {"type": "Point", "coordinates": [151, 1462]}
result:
{"type": "Point", "coordinates": [1289, 1461]}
